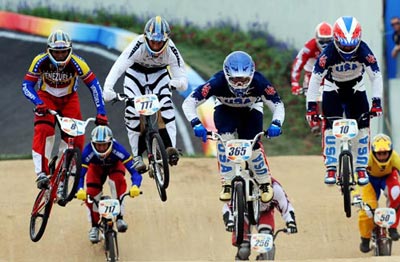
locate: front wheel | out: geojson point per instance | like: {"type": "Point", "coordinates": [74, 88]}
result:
{"type": "Point", "coordinates": [383, 247]}
{"type": "Point", "coordinates": [238, 208]}
{"type": "Point", "coordinates": [40, 214]}
{"type": "Point", "coordinates": [159, 165]}
{"type": "Point", "coordinates": [345, 173]}
{"type": "Point", "coordinates": [111, 246]}
{"type": "Point", "coordinates": [73, 165]}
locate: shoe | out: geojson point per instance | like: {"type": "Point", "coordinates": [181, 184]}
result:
{"type": "Point", "coordinates": [94, 235]}
{"type": "Point", "coordinates": [364, 246]}
{"type": "Point", "coordinates": [173, 156]}
{"type": "Point", "coordinates": [267, 192]}
{"type": "Point", "coordinates": [362, 176]}
{"type": "Point", "coordinates": [225, 194]}
{"type": "Point", "coordinates": [42, 181]}
{"type": "Point", "coordinates": [138, 164]}
{"type": "Point", "coordinates": [330, 177]}
{"type": "Point", "coordinates": [60, 198]}
{"type": "Point", "coordinates": [228, 221]}
{"type": "Point", "coordinates": [394, 235]}
{"type": "Point", "coordinates": [122, 226]}
{"type": "Point", "coordinates": [243, 252]}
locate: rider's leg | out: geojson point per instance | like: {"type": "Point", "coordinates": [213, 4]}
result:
{"type": "Point", "coordinates": [225, 168]}
{"type": "Point", "coordinates": [365, 221]}
{"type": "Point", "coordinates": [227, 217]}
{"type": "Point", "coordinates": [266, 225]}
{"type": "Point", "coordinates": [392, 191]}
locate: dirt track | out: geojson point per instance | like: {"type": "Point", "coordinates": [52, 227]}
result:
{"type": "Point", "coordinates": [188, 227]}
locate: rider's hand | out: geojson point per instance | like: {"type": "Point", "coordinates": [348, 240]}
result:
{"type": "Point", "coordinates": [109, 95]}
{"type": "Point", "coordinates": [101, 120]}
{"type": "Point", "coordinates": [174, 84]}
{"type": "Point", "coordinates": [376, 108]}
{"type": "Point", "coordinates": [81, 195]}
{"type": "Point", "coordinates": [274, 129]}
{"type": "Point", "coordinates": [200, 131]}
{"type": "Point", "coordinates": [291, 227]}
{"type": "Point", "coordinates": [134, 191]}
{"type": "Point", "coordinates": [296, 89]}
{"type": "Point", "coordinates": [41, 109]}
{"type": "Point", "coordinates": [312, 114]}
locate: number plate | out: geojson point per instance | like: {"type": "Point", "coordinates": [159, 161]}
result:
{"type": "Point", "coordinates": [147, 104]}
{"type": "Point", "coordinates": [385, 216]}
{"type": "Point", "coordinates": [109, 208]}
{"type": "Point", "coordinates": [238, 150]}
{"type": "Point", "coordinates": [345, 128]}
{"type": "Point", "coordinates": [261, 243]}
{"type": "Point", "coordinates": [72, 127]}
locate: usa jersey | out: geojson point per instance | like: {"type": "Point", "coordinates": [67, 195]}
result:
{"type": "Point", "coordinates": [259, 91]}
{"type": "Point", "coordinates": [118, 153]}
{"type": "Point", "coordinates": [60, 83]}
{"type": "Point", "coordinates": [336, 70]}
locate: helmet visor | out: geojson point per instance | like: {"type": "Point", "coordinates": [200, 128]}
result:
{"type": "Point", "coordinates": [346, 49]}
{"type": "Point", "coordinates": [323, 42]}
{"type": "Point", "coordinates": [101, 147]}
{"type": "Point", "coordinates": [239, 81]}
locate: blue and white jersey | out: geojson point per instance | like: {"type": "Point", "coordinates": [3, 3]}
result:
{"type": "Point", "coordinates": [331, 66]}
{"type": "Point", "coordinates": [260, 91]}
{"type": "Point", "coordinates": [118, 153]}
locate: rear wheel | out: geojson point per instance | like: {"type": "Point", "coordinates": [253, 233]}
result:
{"type": "Point", "coordinates": [160, 165]}
{"type": "Point", "coordinates": [40, 214]}
{"type": "Point", "coordinates": [111, 246]}
{"type": "Point", "coordinates": [345, 173]}
{"type": "Point", "coordinates": [73, 165]}
{"type": "Point", "coordinates": [238, 206]}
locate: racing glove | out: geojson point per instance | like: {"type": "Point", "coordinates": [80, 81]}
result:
{"type": "Point", "coordinates": [200, 131]}
{"type": "Point", "coordinates": [274, 129]}
{"type": "Point", "coordinates": [134, 191]}
{"type": "Point", "coordinates": [376, 109]}
{"type": "Point", "coordinates": [41, 109]}
{"type": "Point", "coordinates": [291, 227]}
{"type": "Point", "coordinates": [109, 95]}
{"type": "Point", "coordinates": [296, 89]}
{"type": "Point", "coordinates": [81, 195]}
{"type": "Point", "coordinates": [101, 120]}
{"type": "Point", "coordinates": [312, 114]}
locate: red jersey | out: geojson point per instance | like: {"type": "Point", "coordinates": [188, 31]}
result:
{"type": "Point", "coordinates": [305, 59]}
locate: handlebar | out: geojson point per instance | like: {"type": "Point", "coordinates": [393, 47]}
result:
{"type": "Point", "coordinates": [215, 136]}
{"type": "Point", "coordinates": [91, 199]}
{"type": "Point", "coordinates": [55, 113]}
{"type": "Point", "coordinates": [363, 116]}
{"type": "Point", "coordinates": [284, 230]}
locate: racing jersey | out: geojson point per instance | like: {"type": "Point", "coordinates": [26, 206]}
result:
{"type": "Point", "coordinates": [305, 59]}
{"type": "Point", "coordinates": [62, 82]}
{"type": "Point", "coordinates": [336, 71]}
{"type": "Point", "coordinates": [259, 91]}
{"type": "Point", "coordinates": [381, 169]}
{"type": "Point", "coordinates": [118, 153]}
{"type": "Point", "coordinates": [135, 57]}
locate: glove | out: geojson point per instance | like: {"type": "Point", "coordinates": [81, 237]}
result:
{"type": "Point", "coordinates": [109, 95]}
{"type": "Point", "coordinates": [200, 131]}
{"type": "Point", "coordinates": [41, 110]}
{"type": "Point", "coordinates": [174, 84]}
{"type": "Point", "coordinates": [312, 115]}
{"type": "Point", "coordinates": [296, 89]}
{"type": "Point", "coordinates": [101, 120]}
{"type": "Point", "coordinates": [81, 195]}
{"type": "Point", "coordinates": [134, 191]}
{"type": "Point", "coordinates": [291, 227]}
{"type": "Point", "coordinates": [274, 129]}
{"type": "Point", "coordinates": [376, 109]}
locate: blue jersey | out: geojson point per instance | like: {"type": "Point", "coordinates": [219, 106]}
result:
{"type": "Point", "coordinates": [331, 66]}
{"type": "Point", "coordinates": [260, 91]}
{"type": "Point", "coordinates": [118, 153]}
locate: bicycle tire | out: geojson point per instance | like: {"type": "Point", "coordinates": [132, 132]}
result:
{"type": "Point", "coordinates": [253, 206]}
{"type": "Point", "coordinates": [111, 246]}
{"type": "Point", "coordinates": [159, 165]}
{"type": "Point", "coordinates": [41, 210]}
{"type": "Point", "coordinates": [238, 207]}
{"type": "Point", "coordinates": [345, 183]}
{"type": "Point", "coordinates": [73, 166]}
{"type": "Point", "coordinates": [384, 246]}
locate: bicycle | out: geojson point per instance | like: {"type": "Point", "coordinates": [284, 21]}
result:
{"type": "Point", "coordinates": [264, 244]}
{"type": "Point", "coordinates": [67, 171]}
{"type": "Point", "coordinates": [345, 130]}
{"type": "Point", "coordinates": [109, 208]}
{"type": "Point", "coordinates": [383, 217]}
{"type": "Point", "coordinates": [148, 107]}
{"type": "Point", "coordinates": [245, 201]}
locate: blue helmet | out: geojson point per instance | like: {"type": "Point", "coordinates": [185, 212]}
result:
{"type": "Point", "coordinates": [239, 71]}
{"type": "Point", "coordinates": [156, 30]}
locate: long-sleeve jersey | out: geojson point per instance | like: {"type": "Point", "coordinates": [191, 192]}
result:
{"type": "Point", "coordinates": [379, 169]}
{"type": "Point", "coordinates": [118, 153]}
{"type": "Point", "coordinates": [337, 70]}
{"type": "Point", "coordinates": [135, 57]}
{"type": "Point", "coordinates": [62, 82]}
{"type": "Point", "coordinates": [260, 90]}
{"type": "Point", "coordinates": [280, 201]}
{"type": "Point", "coordinates": [305, 59]}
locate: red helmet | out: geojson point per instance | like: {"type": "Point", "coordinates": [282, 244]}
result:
{"type": "Point", "coordinates": [347, 36]}
{"type": "Point", "coordinates": [323, 34]}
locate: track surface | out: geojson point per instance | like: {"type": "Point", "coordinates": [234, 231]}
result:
{"type": "Point", "coordinates": [188, 227]}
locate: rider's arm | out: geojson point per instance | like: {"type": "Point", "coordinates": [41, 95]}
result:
{"type": "Point", "coordinates": [317, 75]}
{"type": "Point", "coordinates": [126, 160]}
{"type": "Point", "coordinates": [86, 153]}
{"type": "Point", "coordinates": [283, 204]}
{"type": "Point", "coordinates": [271, 98]}
{"type": "Point", "coordinates": [31, 78]}
{"type": "Point", "coordinates": [177, 67]}
{"type": "Point", "coordinates": [301, 59]}
{"type": "Point", "coordinates": [372, 69]}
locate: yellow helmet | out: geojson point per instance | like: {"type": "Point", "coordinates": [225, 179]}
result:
{"type": "Point", "coordinates": [381, 143]}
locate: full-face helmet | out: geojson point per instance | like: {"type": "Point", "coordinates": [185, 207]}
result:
{"type": "Point", "coordinates": [157, 34]}
{"type": "Point", "coordinates": [59, 48]}
{"type": "Point", "coordinates": [382, 148]}
{"type": "Point", "coordinates": [323, 35]}
{"type": "Point", "coordinates": [102, 141]}
{"type": "Point", "coordinates": [239, 70]}
{"type": "Point", "coordinates": [347, 36]}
